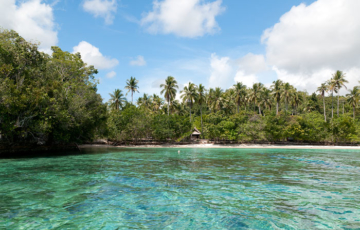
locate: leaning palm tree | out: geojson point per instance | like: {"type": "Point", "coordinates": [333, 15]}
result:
{"type": "Point", "coordinates": [339, 81]}
{"type": "Point", "coordinates": [239, 94]}
{"type": "Point", "coordinates": [169, 90]}
{"type": "Point", "coordinates": [322, 90]}
{"type": "Point", "coordinates": [286, 94]}
{"type": "Point", "coordinates": [276, 88]}
{"type": "Point", "coordinates": [201, 99]}
{"type": "Point", "coordinates": [117, 99]}
{"type": "Point", "coordinates": [189, 95]}
{"type": "Point", "coordinates": [132, 86]}
{"type": "Point", "coordinates": [353, 98]}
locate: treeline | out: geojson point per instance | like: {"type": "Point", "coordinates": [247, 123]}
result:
{"type": "Point", "coordinates": [242, 114]}
{"type": "Point", "coordinates": [46, 99]}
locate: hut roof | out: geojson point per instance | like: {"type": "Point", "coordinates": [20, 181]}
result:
{"type": "Point", "coordinates": [196, 132]}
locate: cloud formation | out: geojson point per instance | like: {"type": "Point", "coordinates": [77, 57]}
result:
{"type": "Point", "coordinates": [185, 18]}
{"type": "Point", "coordinates": [32, 19]}
{"type": "Point", "coordinates": [111, 74]}
{"type": "Point", "coordinates": [101, 8]}
{"type": "Point", "coordinates": [310, 43]}
{"type": "Point", "coordinates": [92, 56]}
{"type": "Point", "coordinates": [139, 61]}
{"type": "Point", "coordinates": [221, 71]}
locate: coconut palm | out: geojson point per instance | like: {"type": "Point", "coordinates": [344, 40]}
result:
{"type": "Point", "coordinates": [322, 90]}
{"type": "Point", "coordinates": [353, 98]}
{"type": "Point", "coordinates": [169, 90]}
{"type": "Point", "coordinates": [144, 101]}
{"type": "Point", "coordinates": [201, 99]}
{"type": "Point", "coordinates": [286, 94]}
{"type": "Point", "coordinates": [157, 102]}
{"type": "Point", "coordinates": [117, 99]}
{"type": "Point", "coordinates": [216, 98]}
{"type": "Point", "coordinates": [255, 95]}
{"type": "Point", "coordinates": [239, 94]}
{"type": "Point", "coordinates": [296, 99]}
{"type": "Point", "coordinates": [331, 85]}
{"type": "Point", "coordinates": [132, 86]}
{"type": "Point", "coordinates": [265, 99]}
{"type": "Point", "coordinates": [189, 95]}
{"type": "Point", "coordinates": [276, 88]}
{"type": "Point", "coordinates": [339, 81]}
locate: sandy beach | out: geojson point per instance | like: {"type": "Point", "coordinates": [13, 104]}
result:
{"type": "Point", "coordinates": [238, 146]}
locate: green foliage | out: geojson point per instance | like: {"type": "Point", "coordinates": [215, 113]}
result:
{"type": "Point", "coordinates": [43, 98]}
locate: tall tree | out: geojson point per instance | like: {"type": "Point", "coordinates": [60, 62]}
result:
{"type": "Point", "coordinates": [353, 98]}
{"type": "Point", "coordinates": [189, 95]}
{"type": "Point", "coordinates": [266, 99]}
{"type": "Point", "coordinates": [216, 98]}
{"type": "Point", "coordinates": [240, 91]}
{"type": "Point", "coordinates": [255, 95]}
{"type": "Point", "coordinates": [201, 99]}
{"type": "Point", "coordinates": [132, 86]}
{"type": "Point", "coordinates": [331, 85]}
{"type": "Point", "coordinates": [169, 90]}
{"type": "Point", "coordinates": [117, 99]}
{"type": "Point", "coordinates": [322, 90]}
{"type": "Point", "coordinates": [276, 88]}
{"type": "Point", "coordinates": [286, 94]}
{"type": "Point", "coordinates": [157, 102]}
{"type": "Point", "coordinates": [339, 82]}
{"type": "Point", "coordinates": [297, 99]}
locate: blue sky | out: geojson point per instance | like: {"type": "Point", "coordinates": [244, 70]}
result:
{"type": "Point", "coordinates": [212, 42]}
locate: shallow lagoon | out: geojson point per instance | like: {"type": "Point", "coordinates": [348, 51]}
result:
{"type": "Point", "coordinates": [111, 188]}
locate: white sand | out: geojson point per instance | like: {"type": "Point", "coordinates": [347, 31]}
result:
{"type": "Point", "coordinates": [238, 146]}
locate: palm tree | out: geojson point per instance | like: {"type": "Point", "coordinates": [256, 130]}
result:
{"type": "Point", "coordinates": [286, 94]}
{"type": "Point", "coordinates": [201, 99]}
{"type": "Point", "coordinates": [117, 99]}
{"type": "Point", "coordinates": [276, 92]}
{"type": "Point", "coordinates": [265, 99]}
{"type": "Point", "coordinates": [157, 102]}
{"type": "Point", "coordinates": [353, 98]}
{"type": "Point", "coordinates": [132, 86]}
{"type": "Point", "coordinates": [144, 101]}
{"type": "Point", "coordinates": [297, 99]}
{"type": "Point", "coordinates": [239, 94]}
{"type": "Point", "coordinates": [332, 88]}
{"type": "Point", "coordinates": [339, 81]}
{"type": "Point", "coordinates": [255, 95]}
{"type": "Point", "coordinates": [216, 98]}
{"type": "Point", "coordinates": [189, 95]}
{"type": "Point", "coordinates": [322, 90]}
{"type": "Point", "coordinates": [169, 90]}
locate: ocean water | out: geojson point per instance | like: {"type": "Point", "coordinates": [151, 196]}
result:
{"type": "Point", "coordinates": [112, 188]}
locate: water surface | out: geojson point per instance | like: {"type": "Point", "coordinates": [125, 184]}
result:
{"type": "Point", "coordinates": [196, 189]}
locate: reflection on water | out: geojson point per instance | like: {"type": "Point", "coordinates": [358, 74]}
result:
{"type": "Point", "coordinates": [196, 189]}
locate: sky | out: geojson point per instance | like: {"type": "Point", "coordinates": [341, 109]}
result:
{"type": "Point", "coordinates": [213, 42]}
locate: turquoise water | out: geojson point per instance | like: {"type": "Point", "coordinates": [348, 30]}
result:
{"type": "Point", "coordinates": [196, 189]}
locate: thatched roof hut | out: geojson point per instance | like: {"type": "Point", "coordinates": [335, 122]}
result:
{"type": "Point", "coordinates": [195, 134]}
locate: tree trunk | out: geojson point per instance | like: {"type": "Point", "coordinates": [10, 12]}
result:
{"type": "Point", "coordinates": [338, 105]}
{"type": "Point", "coordinates": [132, 99]}
{"type": "Point", "coordinates": [277, 107]}
{"type": "Point", "coordinates": [190, 112]}
{"type": "Point", "coordinates": [324, 108]}
{"type": "Point", "coordinates": [202, 130]}
{"type": "Point", "coordinates": [259, 110]}
{"type": "Point", "coordinates": [237, 108]}
{"type": "Point", "coordinates": [332, 104]}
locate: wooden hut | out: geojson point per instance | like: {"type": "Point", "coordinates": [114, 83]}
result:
{"type": "Point", "coordinates": [195, 134]}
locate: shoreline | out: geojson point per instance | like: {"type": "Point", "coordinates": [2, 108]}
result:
{"type": "Point", "coordinates": [235, 146]}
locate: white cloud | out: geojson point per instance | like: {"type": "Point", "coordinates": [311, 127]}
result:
{"type": "Point", "coordinates": [101, 8]}
{"type": "Point", "coordinates": [139, 61]}
{"type": "Point", "coordinates": [92, 56]}
{"type": "Point", "coordinates": [185, 18]}
{"type": "Point", "coordinates": [111, 74]}
{"type": "Point", "coordinates": [246, 79]}
{"type": "Point", "coordinates": [32, 19]}
{"type": "Point", "coordinates": [311, 42]}
{"type": "Point", "coordinates": [252, 63]}
{"type": "Point", "coordinates": [221, 71]}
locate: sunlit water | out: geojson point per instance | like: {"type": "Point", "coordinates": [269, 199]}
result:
{"type": "Point", "coordinates": [196, 189]}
